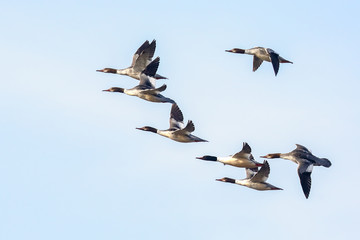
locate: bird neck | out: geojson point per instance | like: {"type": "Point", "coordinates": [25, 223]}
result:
{"type": "Point", "coordinates": [124, 71]}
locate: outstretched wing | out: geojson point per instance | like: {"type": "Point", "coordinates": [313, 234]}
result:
{"type": "Point", "coordinates": [304, 171]}
{"type": "Point", "coordinates": [176, 117]}
{"type": "Point", "coordinates": [244, 153]}
{"type": "Point", "coordinates": [250, 172]}
{"type": "Point", "coordinates": [186, 130]}
{"type": "Point", "coordinates": [146, 76]}
{"type": "Point", "coordinates": [145, 57]}
{"type": "Point", "coordinates": [256, 63]}
{"type": "Point", "coordinates": [154, 91]}
{"type": "Point", "coordinates": [301, 148]}
{"type": "Point", "coordinates": [139, 51]}
{"type": "Point", "coordinates": [275, 61]}
{"type": "Point", "coordinates": [263, 174]}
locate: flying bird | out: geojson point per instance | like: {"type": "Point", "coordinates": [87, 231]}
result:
{"type": "Point", "coordinates": [305, 160]}
{"type": "Point", "coordinates": [262, 54]}
{"type": "Point", "coordinates": [243, 159]}
{"type": "Point", "coordinates": [177, 131]}
{"type": "Point", "coordinates": [254, 179]}
{"type": "Point", "coordinates": [146, 88]}
{"type": "Point", "coordinates": [142, 58]}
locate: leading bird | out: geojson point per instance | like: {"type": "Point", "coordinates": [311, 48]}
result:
{"type": "Point", "coordinates": [262, 54]}
{"type": "Point", "coordinates": [141, 59]}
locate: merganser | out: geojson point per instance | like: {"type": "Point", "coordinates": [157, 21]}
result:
{"type": "Point", "coordinates": [262, 54]}
{"type": "Point", "coordinates": [177, 131]}
{"type": "Point", "coordinates": [146, 88]}
{"type": "Point", "coordinates": [243, 159]}
{"type": "Point", "coordinates": [306, 160]}
{"type": "Point", "coordinates": [142, 57]}
{"type": "Point", "coordinates": [254, 179]}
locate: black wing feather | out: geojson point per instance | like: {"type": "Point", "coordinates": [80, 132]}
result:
{"type": "Point", "coordinates": [275, 62]}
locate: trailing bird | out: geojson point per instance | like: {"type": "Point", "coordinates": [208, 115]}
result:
{"type": "Point", "coordinates": [142, 57]}
{"type": "Point", "coordinates": [243, 159]}
{"type": "Point", "coordinates": [177, 131]}
{"type": "Point", "coordinates": [254, 179]}
{"type": "Point", "coordinates": [146, 88]}
{"type": "Point", "coordinates": [305, 160]}
{"type": "Point", "coordinates": [262, 54]}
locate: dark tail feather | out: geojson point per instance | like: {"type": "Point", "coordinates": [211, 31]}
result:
{"type": "Point", "coordinates": [157, 76]}
{"type": "Point", "coordinates": [325, 162]}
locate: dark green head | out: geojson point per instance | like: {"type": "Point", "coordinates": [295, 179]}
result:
{"type": "Point", "coordinates": [208, 158]}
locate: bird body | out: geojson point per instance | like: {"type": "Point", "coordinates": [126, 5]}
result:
{"type": "Point", "coordinates": [305, 160]}
{"type": "Point", "coordinates": [177, 131]}
{"type": "Point", "coordinates": [243, 159]}
{"type": "Point", "coordinates": [262, 54]}
{"type": "Point", "coordinates": [254, 179]}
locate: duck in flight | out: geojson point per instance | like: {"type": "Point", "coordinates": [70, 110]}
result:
{"type": "Point", "coordinates": [142, 58]}
{"type": "Point", "coordinates": [146, 88]}
{"type": "Point", "coordinates": [254, 179]}
{"type": "Point", "coordinates": [177, 131]}
{"type": "Point", "coordinates": [305, 160]}
{"type": "Point", "coordinates": [262, 54]}
{"type": "Point", "coordinates": [243, 159]}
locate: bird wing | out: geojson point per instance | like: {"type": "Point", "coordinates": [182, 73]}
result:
{"type": "Point", "coordinates": [244, 153]}
{"type": "Point", "coordinates": [144, 56]}
{"type": "Point", "coordinates": [304, 171]}
{"type": "Point", "coordinates": [275, 61]}
{"type": "Point", "coordinates": [146, 76]}
{"type": "Point", "coordinates": [250, 172]}
{"type": "Point", "coordinates": [139, 51]}
{"type": "Point", "coordinates": [263, 174]}
{"type": "Point", "coordinates": [256, 63]}
{"type": "Point", "coordinates": [301, 148]}
{"type": "Point", "coordinates": [186, 130]}
{"type": "Point", "coordinates": [154, 91]}
{"type": "Point", "coordinates": [176, 117]}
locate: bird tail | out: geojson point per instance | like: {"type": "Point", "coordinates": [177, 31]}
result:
{"type": "Point", "coordinates": [158, 76]}
{"type": "Point", "coordinates": [324, 162]}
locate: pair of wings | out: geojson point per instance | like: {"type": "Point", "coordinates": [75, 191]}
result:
{"type": "Point", "coordinates": [142, 62]}
{"type": "Point", "coordinates": [244, 153]}
{"type": "Point", "coordinates": [177, 121]}
{"type": "Point", "coordinates": [258, 176]}
{"type": "Point", "coordinates": [147, 75]}
{"type": "Point", "coordinates": [274, 57]}
{"type": "Point", "coordinates": [305, 167]}
{"type": "Point", "coordinates": [143, 56]}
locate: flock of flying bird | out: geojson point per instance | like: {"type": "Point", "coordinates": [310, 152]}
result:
{"type": "Point", "coordinates": [144, 69]}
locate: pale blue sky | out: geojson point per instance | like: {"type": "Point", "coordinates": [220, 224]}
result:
{"type": "Point", "coordinates": [73, 166]}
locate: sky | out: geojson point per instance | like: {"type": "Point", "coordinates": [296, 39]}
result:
{"type": "Point", "coordinates": [73, 166]}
